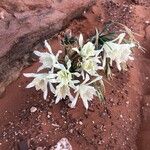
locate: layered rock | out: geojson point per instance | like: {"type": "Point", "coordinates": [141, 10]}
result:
{"type": "Point", "coordinates": [23, 24]}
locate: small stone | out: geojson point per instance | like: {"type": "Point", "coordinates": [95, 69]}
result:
{"type": "Point", "coordinates": [147, 78]}
{"type": "Point", "coordinates": [121, 116]}
{"type": "Point", "coordinates": [131, 7]}
{"type": "Point", "coordinates": [63, 144]}
{"type": "Point", "coordinates": [55, 125]}
{"type": "Point", "coordinates": [93, 122]}
{"type": "Point", "coordinates": [49, 115]}
{"type": "Point", "coordinates": [127, 138]}
{"type": "Point", "coordinates": [127, 102]}
{"type": "Point", "coordinates": [104, 130]}
{"type": "Point", "coordinates": [71, 131]}
{"type": "Point", "coordinates": [2, 15]}
{"type": "Point", "coordinates": [39, 148]}
{"type": "Point", "coordinates": [33, 109]}
{"type": "Point", "coordinates": [80, 122]}
{"type": "Point", "coordinates": [147, 21]}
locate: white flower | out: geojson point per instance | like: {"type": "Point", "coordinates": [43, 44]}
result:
{"type": "Point", "coordinates": [88, 50]}
{"type": "Point", "coordinates": [41, 82]}
{"type": "Point", "coordinates": [85, 91]}
{"type": "Point", "coordinates": [90, 60]}
{"type": "Point", "coordinates": [64, 78]}
{"type": "Point", "coordinates": [48, 59]}
{"type": "Point", "coordinates": [61, 92]}
{"type": "Point", "coordinates": [117, 52]}
{"type": "Point", "coordinates": [91, 65]}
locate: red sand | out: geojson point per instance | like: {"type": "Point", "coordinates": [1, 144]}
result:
{"type": "Point", "coordinates": [110, 125]}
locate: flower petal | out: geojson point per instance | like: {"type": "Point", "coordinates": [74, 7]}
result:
{"type": "Point", "coordinates": [45, 92]}
{"type": "Point", "coordinates": [76, 50]}
{"type": "Point", "coordinates": [68, 64]}
{"type": "Point", "coordinates": [30, 85]}
{"type": "Point", "coordinates": [38, 53]}
{"type": "Point", "coordinates": [85, 103]}
{"type": "Point", "coordinates": [87, 78]}
{"type": "Point", "coordinates": [81, 40]}
{"type": "Point", "coordinates": [74, 101]}
{"type": "Point", "coordinates": [48, 46]}
{"type": "Point", "coordinates": [52, 88]}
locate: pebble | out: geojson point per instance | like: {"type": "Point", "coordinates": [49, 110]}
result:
{"type": "Point", "coordinates": [2, 15]}
{"type": "Point", "coordinates": [80, 122]}
{"type": "Point", "coordinates": [147, 21]}
{"type": "Point", "coordinates": [63, 144]}
{"type": "Point", "coordinates": [71, 131]}
{"type": "Point", "coordinates": [93, 122]}
{"type": "Point", "coordinates": [127, 138]}
{"type": "Point", "coordinates": [33, 109]}
{"type": "Point", "coordinates": [121, 116]}
{"type": "Point", "coordinates": [55, 125]}
{"type": "Point", "coordinates": [123, 143]}
{"type": "Point", "coordinates": [147, 78]}
{"type": "Point", "coordinates": [39, 148]}
{"type": "Point", "coordinates": [49, 114]}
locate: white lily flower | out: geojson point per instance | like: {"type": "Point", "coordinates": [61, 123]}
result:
{"type": "Point", "coordinates": [61, 92]}
{"type": "Point", "coordinates": [64, 78]}
{"type": "Point", "coordinates": [120, 53]}
{"type": "Point", "coordinates": [48, 59]}
{"type": "Point", "coordinates": [85, 91]}
{"type": "Point", "coordinates": [47, 45]}
{"type": "Point", "coordinates": [64, 75]}
{"type": "Point", "coordinates": [88, 50]}
{"type": "Point", "coordinates": [90, 60]}
{"type": "Point", "coordinates": [41, 81]}
{"type": "Point", "coordinates": [91, 65]}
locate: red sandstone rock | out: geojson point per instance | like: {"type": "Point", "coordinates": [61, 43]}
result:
{"type": "Point", "coordinates": [24, 23]}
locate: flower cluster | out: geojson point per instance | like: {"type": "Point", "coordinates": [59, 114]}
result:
{"type": "Point", "coordinates": [64, 82]}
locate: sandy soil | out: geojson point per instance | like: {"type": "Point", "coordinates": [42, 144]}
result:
{"type": "Point", "coordinates": [111, 125]}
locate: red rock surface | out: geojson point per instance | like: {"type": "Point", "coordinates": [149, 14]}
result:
{"type": "Point", "coordinates": [23, 24]}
